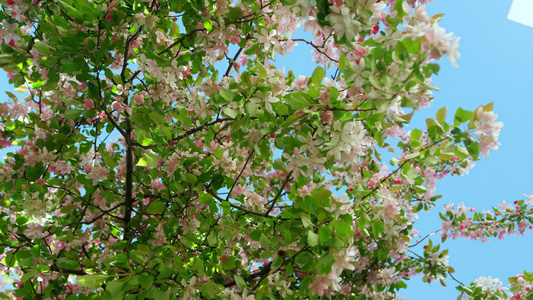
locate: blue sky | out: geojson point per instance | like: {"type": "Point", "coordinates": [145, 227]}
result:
{"type": "Point", "coordinates": [495, 66]}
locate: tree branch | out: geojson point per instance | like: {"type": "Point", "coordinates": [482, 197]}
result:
{"type": "Point", "coordinates": [287, 179]}
{"type": "Point", "coordinates": [255, 213]}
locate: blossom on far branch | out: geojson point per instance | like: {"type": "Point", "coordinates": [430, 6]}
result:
{"type": "Point", "coordinates": [488, 130]}
{"type": "Point", "coordinates": [504, 220]}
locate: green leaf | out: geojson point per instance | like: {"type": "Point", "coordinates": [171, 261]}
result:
{"type": "Point", "coordinates": [279, 165]}
{"type": "Point", "coordinates": [12, 96]}
{"type": "Point", "coordinates": [28, 275]}
{"type": "Point", "coordinates": [199, 266]}
{"type": "Point", "coordinates": [252, 109]}
{"type": "Point", "coordinates": [229, 263]}
{"type": "Point", "coordinates": [488, 107]}
{"type": "Point", "coordinates": [364, 221]}
{"type": "Point", "coordinates": [204, 198]}
{"type": "Point", "coordinates": [34, 173]}
{"type": "Point", "coordinates": [398, 7]}
{"type": "Point", "coordinates": [163, 131]}
{"type": "Point", "coordinates": [401, 52]}
{"type": "Point", "coordinates": [156, 207]}
{"type": "Point", "coordinates": [92, 282]}
{"type": "Point", "coordinates": [142, 138]}
{"type": "Point", "coordinates": [411, 175]}
{"type": "Point", "coordinates": [67, 263]}
{"type": "Point", "coordinates": [461, 152]}
{"type": "Point", "coordinates": [431, 122]}
{"type": "Point", "coordinates": [289, 269]}
{"type": "Point", "coordinates": [412, 155]}
{"type": "Point", "coordinates": [227, 95]}
{"type": "Point", "coordinates": [262, 71]}
{"type": "Point", "coordinates": [325, 234]}
{"type": "Point", "coordinates": [291, 119]}
{"type": "Point", "coordinates": [343, 228]}
{"type": "Point", "coordinates": [212, 241]}
{"type": "Point", "coordinates": [441, 115]}
{"type": "Point", "coordinates": [298, 100]}
{"type": "Point", "coordinates": [312, 238]}
{"type": "Point", "coordinates": [434, 68]}
{"type": "Point", "coordinates": [412, 47]}
{"type": "Point", "coordinates": [321, 194]}
{"type": "Point", "coordinates": [71, 66]}
{"type": "Point", "coordinates": [265, 242]}
{"type": "Point", "coordinates": [230, 112]}
{"type": "Point", "coordinates": [73, 113]}
{"type": "Point", "coordinates": [444, 156]}
{"type": "Point", "coordinates": [252, 49]}
{"type": "Point", "coordinates": [218, 153]}
{"type": "Point", "coordinates": [116, 288]}
{"type": "Point", "coordinates": [156, 117]}
{"type": "Point", "coordinates": [149, 159]}
{"type": "Point", "coordinates": [318, 75]}
{"type": "Point", "coordinates": [313, 92]}
{"type": "Point", "coordinates": [462, 116]}
{"type": "Point", "coordinates": [208, 25]}
{"type": "Point", "coordinates": [191, 178]}
{"type": "Point", "coordinates": [137, 255]}
{"type": "Point", "coordinates": [377, 228]}
{"type": "Point", "coordinates": [240, 281]}
{"type": "Point", "coordinates": [283, 109]}
{"type": "Point", "coordinates": [71, 11]}
{"type": "Point", "coordinates": [184, 117]}
{"type": "Point", "coordinates": [325, 263]}
{"type": "Point", "coordinates": [234, 13]}
{"type": "Point", "coordinates": [256, 235]}
{"type": "Point", "coordinates": [142, 162]}
{"type": "Point", "coordinates": [375, 82]}
{"type": "Point", "coordinates": [306, 220]}
{"type": "Point", "coordinates": [68, 208]}
{"type": "Point", "coordinates": [43, 48]}
{"type": "Point", "coordinates": [309, 204]}
{"type": "Point", "coordinates": [435, 132]}
{"type": "Point", "coordinates": [333, 94]}
{"type": "Point", "coordinates": [342, 62]}
{"type": "Point", "coordinates": [416, 134]}
{"type": "Point", "coordinates": [156, 293]}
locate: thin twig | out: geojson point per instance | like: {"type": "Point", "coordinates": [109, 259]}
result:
{"type": "Point", "coordinates": [281, 188]}
{"type": "Point", "coordinates": [434, 232]}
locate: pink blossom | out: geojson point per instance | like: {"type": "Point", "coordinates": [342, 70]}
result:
{"type": "Point", "coordinates": [138, 99]}
{"type": "Point", "coordinates": [102, 116]}
{"type": "Point", "coordinates": [266, 37]}
{"type": "Point", "coordinates": [327, 116]}
{"type": "Point", "coordinates": [88, 103]}
{"type": "Point", "coordinates": [8, 35]}
{"type": "Point", "coordinates": [98, 173]}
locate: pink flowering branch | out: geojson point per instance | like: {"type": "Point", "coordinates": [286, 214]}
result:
{"type": "Point", "coordinates": [457, 223]}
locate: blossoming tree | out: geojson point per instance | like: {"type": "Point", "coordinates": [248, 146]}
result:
{"type": "Point", "coordinates": [137, 168]}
